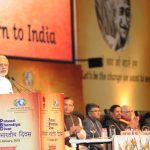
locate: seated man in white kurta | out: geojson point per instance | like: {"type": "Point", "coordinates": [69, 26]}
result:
{"type": "Point", "coordinates": [5, 85]}
{"type": "Point", "coordinates": [73, 125]}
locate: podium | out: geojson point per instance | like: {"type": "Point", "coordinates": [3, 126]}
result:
{"type": "Point", "coordinates": [31, 121]}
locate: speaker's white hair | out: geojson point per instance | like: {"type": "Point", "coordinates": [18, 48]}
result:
{"type": "Point", "coordinates": [3, 57]}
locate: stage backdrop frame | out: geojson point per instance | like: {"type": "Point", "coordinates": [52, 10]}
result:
{"type": "Point", "coordinates": [29, 34]}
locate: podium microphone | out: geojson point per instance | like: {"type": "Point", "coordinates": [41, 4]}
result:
{"type": "Point", "coordinates": [19, 85]}
{"type": "Point", "coordinates": [18, 90]}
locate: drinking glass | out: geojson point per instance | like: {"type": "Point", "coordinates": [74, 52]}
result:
{"type": "Point", "coordinates": [112, 130]}
{"type": "Point", "coordinates": [92, 130]}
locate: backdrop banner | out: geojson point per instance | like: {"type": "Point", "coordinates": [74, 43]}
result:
{"type": "Point", "coordinates": [34, 34]}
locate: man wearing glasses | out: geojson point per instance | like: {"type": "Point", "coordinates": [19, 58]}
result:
{"type": "Point", "coordinates": [114, 17]}
{"type": "Point", "coordinates": [92, 125]}
{"type": "Point", "coordinates": [128, 115]}
{"type": "Point", "coordinates": [114, 119]}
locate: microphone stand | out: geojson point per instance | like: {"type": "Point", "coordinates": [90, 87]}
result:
{"type": "Point", "coordinates": [20, 85]}
{"type": "Point", "coordinates": [16, 85]}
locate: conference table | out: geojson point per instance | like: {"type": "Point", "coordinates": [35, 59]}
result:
{"type": "Point", "coordinates": [118, 142]}
{"type": "Point", "coordinates": [107, 141]}
{"type": "Point", "coordinates": [131, 142]}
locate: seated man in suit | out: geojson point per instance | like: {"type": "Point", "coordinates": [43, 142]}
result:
{"type": "Point", "coordinates": [114, 119]}
{"type": "Point", "coordinates": [92, 124]}
{"type": "Point", "coordinates": [73, 125]}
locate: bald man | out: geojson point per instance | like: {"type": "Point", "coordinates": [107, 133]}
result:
{"type": "Point", "coordinates": [122, 21]}
{"type": "Point", "coordinates": [5, 85]}
{"type": "Point", "coordinates": [114, 17]}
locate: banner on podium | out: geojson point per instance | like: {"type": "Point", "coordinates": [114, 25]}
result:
{"type": "Point", "coordinates": [52, 122]}
{"type": "Point", "coordinates": [31, 121]}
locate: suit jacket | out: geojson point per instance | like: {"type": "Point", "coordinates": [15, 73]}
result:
{"type": "Point", "coordinates": [88, 123]}
{"type": "Point", "coordinates": [119, 126]}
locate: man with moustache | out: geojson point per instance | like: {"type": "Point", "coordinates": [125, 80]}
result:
{"type": "Point", "coordinates": [129, 117]}
{"type": "Point", "coordinates": [114, 18]}
{"type": "Point", "coordinates": [114, 119]}
{"type": "Point", "coordinates": [122, 22]}
{"type": "Point", "coordinates": [92, 123]}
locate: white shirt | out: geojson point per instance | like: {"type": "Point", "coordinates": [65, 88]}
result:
{"type": "Point", "coordinates": [5, 86]}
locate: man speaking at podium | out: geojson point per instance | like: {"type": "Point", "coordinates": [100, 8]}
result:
{"type": "Point", "coordinates": [5, 85]}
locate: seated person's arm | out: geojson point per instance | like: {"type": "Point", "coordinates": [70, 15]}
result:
{"type": "Point", "coordinates": [70, 132]}
{"type": "Point", "coordinates": [81, 134]}
{"type": "Point", "coordinates": [78, 130]}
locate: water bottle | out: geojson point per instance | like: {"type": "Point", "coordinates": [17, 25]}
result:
{"type": "Point", "coordinates": [104, 133]}
{"type": "Point", "coordinates": [112, 131]}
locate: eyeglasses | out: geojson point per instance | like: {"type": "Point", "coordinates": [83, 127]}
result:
{"type": "Point", "coordinates": [95, 111]}
{"type": "Point", "coordinates": [127, 111]}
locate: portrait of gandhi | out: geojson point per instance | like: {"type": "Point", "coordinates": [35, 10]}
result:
{"type": "Point", "coordinates": [114, 19]}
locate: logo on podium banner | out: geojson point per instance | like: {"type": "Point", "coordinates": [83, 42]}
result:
{"type": "Point", "coordinates": [55, 103]}
{"type": "Point", "coordinates": [20, 102]}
